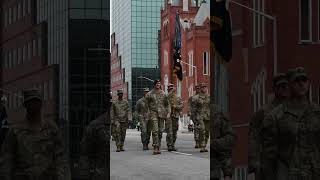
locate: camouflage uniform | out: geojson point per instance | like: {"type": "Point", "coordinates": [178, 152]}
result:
{"type": "Point", "coordinates": [159, 107]}
{"type": "Point", "coordinates": [144, 119]}
{"type": "Point", "coordinates": [202, 114]}
{"type": "Point", "coordinates": [194, 120]}
{"type": "Point", "coordinates": [95, 146]}
{"type": "Point", "coordinates": [119, 116]}
{"type": "Point", "coordinates": [222, 141]}
{"type": "Point", "coordinates": [172, 124]}
{"type": "Point", "coordinates": [255, 137]}
{"type": "Point", "coordinates": [291, 134]}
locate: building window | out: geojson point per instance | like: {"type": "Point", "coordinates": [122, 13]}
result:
{"type": "Point", "coordinates": [10, 15]}
{"type": "Point", "coordinates": [240, 173]}
{"type": "Point", "coordinates": [191, 63]}
{"type": "Point", "coordinates": [258, 23]}
{"type": "Point", "coordinates": [39, 46]}
{"type": "Point", "coordinates": [5, 18]}
{"type": "Point", "coordinates": [29, 51]}
{"type": "Point", "coordinates": [19, 10]}
{"type": "Point", "coordinates": [206, 64]}
{"type": "Point", "coordinates": [29, 6]}
{"type": "Point", "coordinates": [14, 14]}
{"type": "Point", "coordinates": [19, 55]}
{"type": "Point", "coordinates": [15, 57]}
{"type": "Point", "coordinates": [305, 20]}
{"type": "Point", "coordinates": [24, 53]}
{"type": "Point", "coordinates": [165, 57]}
{"type": "Point", "coordinates": [34, 48]}
{"type": "Point", "coordinates": [24, 7]}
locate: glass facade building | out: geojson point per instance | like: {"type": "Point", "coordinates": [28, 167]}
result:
{"type": "Point", "coordinates": [78, 40]}
{"type": "Point", "coordinates": [136, 24]}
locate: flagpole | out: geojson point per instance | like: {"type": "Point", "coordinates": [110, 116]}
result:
{"type": "Point", "coordinates": [196, 72]}
{"type": "Point", "coordinates": [275, 33]}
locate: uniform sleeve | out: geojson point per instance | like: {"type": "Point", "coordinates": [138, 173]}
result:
{"type": "Point", "coordinates": [7, 155]}
{"type": "Point", "coordinates": [270, 147]}
{"type": "Point", "coordinates": [61, 159]}
{"type": "Point", "coordinates": [254, 142]}
{"type": "Point", "coordinates": [180, 105]}
{"type": "Point", "coordinates": [224, 143]}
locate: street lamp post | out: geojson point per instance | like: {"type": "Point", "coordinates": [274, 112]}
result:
{"type": "Point", "coordinates": [275, 35]}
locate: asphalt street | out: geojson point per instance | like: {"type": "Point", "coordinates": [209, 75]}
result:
{"type": "Point", "coordinates": [187, 163]}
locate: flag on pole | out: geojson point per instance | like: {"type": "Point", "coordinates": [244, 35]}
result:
{"type": "Point", "coordinates": [221, 29]}
{"type": "Point", "coordinates": [177, 68]}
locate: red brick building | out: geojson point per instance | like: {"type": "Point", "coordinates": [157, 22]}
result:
{"type": "Point", "coordinates": [247, 77]}
{"type": "Point", "coordinates": [24, 59]}
{"type": "Point", "coordinates": [195, 52]}
{"type": "Point", "coordinates": [117, 72]}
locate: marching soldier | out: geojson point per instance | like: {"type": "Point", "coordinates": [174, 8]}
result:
{"type": "Point", "coordinates": [95, 146]}
{"type": "Point", "coordinates": [33, 149]}
{"type": "Point", "coordinates": [202, 114]}
{"type": "Point", "coordinates": [193, 118]}
{"type": "Point", "coordinates": [222, 141]}
{"type": "Point", "coordinates": [280, 88]}
{"type": "Point", "coordinates": [144, 119]}
{"type": "Point", "coordinates": [290, 135]}
{"type": "Point", "coordinates": [119, 116]}
{"type": "Point", "coordinates": [172, 124]}
{"type": "Point", "coordinates": [159, 107]}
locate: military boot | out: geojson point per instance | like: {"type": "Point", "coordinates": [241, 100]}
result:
{"type": "Point", "coordinates": [155, 150]}
{"type": "Point", "coordinates": [174, 148]}
{"type": "Point", "coordinates": [145, 147]}
{"type": "Point", "coordinates": [197, 145]}
{"type": "Point", "coordinates": [118, 148]}
{"type": "Point", "coordinates": [121, 148]}
{"type": "Point", "coordinates": [170, 148]}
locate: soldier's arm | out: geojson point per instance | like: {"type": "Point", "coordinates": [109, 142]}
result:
{"type": "Point", "coordinates": [270, 147]}
{"type": "Point", "coordinates": [61, 159]}
{"type": "Point", "coordinates": [7, 155]}
{"type": "Point", "coordinates": [253, 148]}
{"type": "Point", "coordinates": [180, 104]}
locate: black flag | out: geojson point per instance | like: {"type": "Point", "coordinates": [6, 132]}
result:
{"type": "Point", "coordinates": [177, 68]}
{"type": "Point", "coordinates": [221, 29]}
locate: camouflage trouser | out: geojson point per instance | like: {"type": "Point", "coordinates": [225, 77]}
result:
{"type": "Point", "coordinates": [146, 128]}
{"type": "Point", "coordinates": [121, 133]}
{"type": "Point", "coordinates": [157, 127]}
{"type": "Point", "coordinates": [172, 126]}
{"type": "Point", "coordinates": [204, 132]}
{"type": "Point", "coordinates": [196, 130]}
{"type": "Point", "coordinates": [113, 132]}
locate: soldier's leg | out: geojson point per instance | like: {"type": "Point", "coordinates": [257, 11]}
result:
{"type": "Point", "coordinates": [143, 131]}
{"type": "Point", "coordinates": [175, 127]}
{"type": "Point", "coordinates": [169, 137]}
{"type": "Point", "coordinates": [207, 131]}
{"type": "Point", "coordinates": [149, 130]}
{"type": "Point", "coordinates": [160, 126]}
{"type": "Point", "coordinates": [155, 131]}
{"type": "Point", "coordinates": [202, 139]}
{"type": "Point", "coordinates": [196, 133]}
{"type": "Point", "coordinates": [123, 130]}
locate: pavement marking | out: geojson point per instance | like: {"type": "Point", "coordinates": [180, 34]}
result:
{"type": "Point", "coordinates": [176, 152]}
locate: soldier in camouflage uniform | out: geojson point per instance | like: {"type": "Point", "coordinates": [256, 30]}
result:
{"type": "Point", "coordinates": [172, 124]}
{"type": "Point", "coordinates": [192, 117]}
{"type": "Point", "coordinates": [159, 107]}
{"type": "Point", "coordinates": [201, 103]}
{"type": "Point", "coordinates": [119, 116]}
{"type": "Point", "coordinates": [33, 149]}
{"type": "Point", "coordinates": [280, 88]}
{"type": "Point", "coordinates": [222, 141]}
{"type": "Point", "coordinates": [291, 134]}
{"type": "Point", "coordinates": [95, 146]}
{"type": "Point", "coordinates": [144, 119]}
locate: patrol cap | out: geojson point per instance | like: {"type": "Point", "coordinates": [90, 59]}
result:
{"type": "Point", "coordinates": [30, 94]}
{"type": "Point", "coordinates": [298, 72]}
{"type": "Point", "coordinates": [202, 85]}
{"type": "Point", "coordinates": [119, 91]}
{"type": "Point", "coordinates": [280, 78]}
{"type": "Point", "coordinates": [146, 89]}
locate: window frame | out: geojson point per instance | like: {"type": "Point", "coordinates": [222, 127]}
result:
{"type": "Point", "coordinates": [310, 22]}
{"type": "Point", "coordinates": [206, 63]}
{"type": "Point", "coordinates": [261, 24]}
